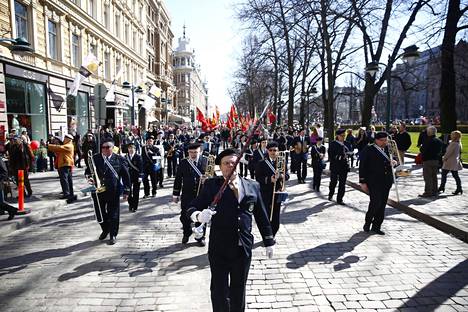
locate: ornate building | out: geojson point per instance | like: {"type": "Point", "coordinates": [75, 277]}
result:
{"type": "Point", "coordinates": [192, 91]}
{"type": "Point", "coordinates": [34, 87]}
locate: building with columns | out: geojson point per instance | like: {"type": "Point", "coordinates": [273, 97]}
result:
{"type": "Point", "coordinates": [33, 87]}
{"type": "Point", "coordinates": [192, 91]}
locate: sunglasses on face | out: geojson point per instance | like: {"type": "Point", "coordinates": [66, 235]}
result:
{"type": "Point", "coordinates": [106, 146]}
{"type": "Point", "coordinates": [273, 150]}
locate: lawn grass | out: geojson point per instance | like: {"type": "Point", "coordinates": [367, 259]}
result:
{"type": "Point", "coordinates": [414, 149]}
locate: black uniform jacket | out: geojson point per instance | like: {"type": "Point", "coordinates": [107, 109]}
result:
{"type": "Point", "coordinates": [149, 154]}
{"type": "Point", "coordinates": [304, 142]}
{"type": "Point", "coordinates": [107, 177]}
{"type": "Point", "coordinates": [135, 167]}
{"type": "Point", "coordinates": [315, 152]}
{"type": "Point", "coordinates": [231, 226]}
{"type": "Point", "coordinates": [258, 156]}
{"type": "Point", "coordinates": [263, 174]}
{"type": "Point", "coordinates": [374, 168]}
{"type": "Point", "coordinates": [337, 157]}
{"type": "Point", "coordinates": [186, 180]}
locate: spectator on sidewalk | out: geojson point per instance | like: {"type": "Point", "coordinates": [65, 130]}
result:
{"type": "Point", "coordinates": [65, 162]}
{"type": "Point", "coordinates": [361, 142]}
{"type": "Point", "coordinates": [431, 151]}
{"type": "Point", "coordinates": [3, 205]}
{"type": "Point", "coordinates": [51, 140]}
{"type": "Point", "coordinates": [21, 157]}
{"type": "Point", "coordinates": [350, 143]}
{"type": "Point", "coordinates": [403, 141]}
{"type": "Point", "coordinates": [452, 162]}
{"type": "Point", "coordinates": [42, 157]}
{"type": "Point", "coordinates": [78, 150]}
{"type": "Point", "coordinates": [89, 144]}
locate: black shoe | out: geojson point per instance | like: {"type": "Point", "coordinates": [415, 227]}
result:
{"type": "Point", "coordinates": [161, 186]}
{"type": "Point", "coordinates": [112, 240]}
{"type": "Point", "coordinates": [458, 191]}
{"type": "Point", "coordinates": [340, 202]}
{"type": "Point", "coordinates": [366, 228]}
{"type": "Point", "coordinates": [441, 189]}
{"type": "Point", "coordinates": [11, 215]}
{"type": "Point", "coordinates": [185, 239]}
{"type": "Point", "coordinates": [330, 196]}
{"type": "Point", "coordinates": [201, 242]}
{"type": "Point", "coordinates": [28, 195]}
{"type": "Point", "coordinates": [145, 196]}
{"type": "Point", "coordinates": [71, 199]}
{"type": "Point", "coordinates": [103, 235]}
{"type": "Point", "coordinates": [379, 232]}
{"type": "Point", "coordinates": [64, 196]}
{"type": "Point", "coordinates": [154, 195]}
{"type": "Point", "coordinates": [134, 210]}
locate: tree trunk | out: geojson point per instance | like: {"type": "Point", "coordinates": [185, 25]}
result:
{"type": "Point", "coordinates": [369, 94]}
{"type": "Point", "coordinates": [447, 104]}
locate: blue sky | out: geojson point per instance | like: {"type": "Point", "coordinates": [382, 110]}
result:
{"type": "Point", "coordinates": [213, 33]}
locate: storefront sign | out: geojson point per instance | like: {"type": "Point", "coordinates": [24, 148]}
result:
{"type": "Point", "coordinates": [25, 73]}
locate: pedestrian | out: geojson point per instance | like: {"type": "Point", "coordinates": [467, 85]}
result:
{"type": "Point", "coordinates": [135, 168]}
{"type": "Point", "coordinates": [403, 141]}
{"type": "Point", "coordinates": [65, 161]}
{"type": "Point", "coordinates": [350, 142]}
{"type": "Point", "coordinates": [151, 164]}
{"type": "Point", "coordinates": [431, 151]}
{"type": "Point", "coordinates": [4, 206]}
{"type": "Point", "coordinates": [111, 169]}
{"type": "Point", "coordinates": [231, 240]}
{"type": "Point", "coordinates": [51, 140]}
{"type": "Point", "coordinates": [271, 180]}
{"type": "Point", "coordinates": [21, 157]}
{"type": "Point", "coordinates": [452, 162]}
{"type": "Point", "coordinates": [78, 150]}
{"type": "Point", "coordinates": [339, 166]}
{"type": "Point", "coordinates": [317, 154]}
{"type": "Point", "coordinates": [361, 142]}
{"type": "Point", "coordinates": [88, 145]}
{"type": "Point", "coordinates": [187, 182]}
{"type": "Point", "coordinates": [376, 179]}
{"type": "Point", "coordinates": [301, 145]}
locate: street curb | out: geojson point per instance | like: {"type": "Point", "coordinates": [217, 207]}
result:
{"type": "Point", "coordinates": [20, 222]}
{"type": "Point", "coordinates": [439, 223]}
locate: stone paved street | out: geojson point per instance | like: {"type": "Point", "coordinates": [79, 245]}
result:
{"type": "Point", "coordinates": [323, 262]}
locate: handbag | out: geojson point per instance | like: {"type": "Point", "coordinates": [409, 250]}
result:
{"type": "Point", "coordinates": [418, 160]}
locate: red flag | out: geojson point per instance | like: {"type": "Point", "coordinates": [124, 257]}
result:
{"type": "Point", "coordinates": [217, 113]}
{"type": "Point", "coordinates": [201, 118]}
{"type": "Point", "coordinates": [271, 117]}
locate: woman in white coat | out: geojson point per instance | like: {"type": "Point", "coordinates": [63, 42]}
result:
{"type": "Point", "coordinates": [452, 162]}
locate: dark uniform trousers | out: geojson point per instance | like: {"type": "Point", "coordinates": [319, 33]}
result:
{"type": "Point", "coordinates": [134, 196]}
{"type": "Point", "coordinates": [148, 171]}
{"type": "Point", "coordinates": [338, 177]}
{"type": "Point", "coordinates": [110, 208]}
{"type": "Point", "coordinates": [231, 241]}
{"type": "Point", "coordinates": [378, 195]}
{"type": "Point", "coordinates": [301, 166]}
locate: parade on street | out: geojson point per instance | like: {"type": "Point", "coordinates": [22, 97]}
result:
{"type": "Point", "coordinates": [233, 156]}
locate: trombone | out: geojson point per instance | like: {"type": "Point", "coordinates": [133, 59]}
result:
{"type": "Point", "coordinates": [209, 171]}
{"type": "Point", "coordinates": [280, 170]}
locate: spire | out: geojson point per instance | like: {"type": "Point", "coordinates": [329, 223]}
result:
{"type": "Point", "coordinates": [184, 30]}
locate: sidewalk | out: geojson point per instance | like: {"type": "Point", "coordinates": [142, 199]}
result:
{"type": "Point", "coordinates": [447, 212]}
{"type": "Point", "coordinates": [44, 201]}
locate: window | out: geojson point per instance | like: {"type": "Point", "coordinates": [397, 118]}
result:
{"type": "Point", "coordinates": [53, 51]}
{"type": "Point", "coordinates": [118, 65]}
{"type": "Point", "coordinates": [21, 20]}
{"type": "Point", "coordinates": [126, 35]}
{"type": "Point", "coordinates": [107, 65]}
{"type": "Point", "coordinates": [134, 40]}
{"type": "Point", "coordinates": [92, 8]}
{"type": "Point", "coordinates": [105, 16]}
{"type": "Point", "coordinates": [93, 49]}
{"type": "Point", "coordinates": [75, 50]}
{"type": "Point", "coordinates": [117, 26]}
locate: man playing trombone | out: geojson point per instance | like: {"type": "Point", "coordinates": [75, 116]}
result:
{"type": "Point", "coordinates": [272, 179]}
{"type": "Point", "coordinates": [376, 177]}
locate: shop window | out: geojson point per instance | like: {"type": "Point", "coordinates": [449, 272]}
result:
{"type": "Point", "coordinates": [77, 114]}
{"type": "Point", "coordinates": [26, 107]}
{"type": "Point", "coordinates": [53, 49]}
{"type": "Point", "coordinates": [21, 20]}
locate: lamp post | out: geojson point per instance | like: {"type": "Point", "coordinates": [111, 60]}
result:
{"type": "Point", "coordinates": [134, 89]}
{"type": "Point", "coordinates": [409, 56]}
{"type": "Point", "coordinates": [17, 45]}
{"type": "Point", "coordinates": [313, 90]}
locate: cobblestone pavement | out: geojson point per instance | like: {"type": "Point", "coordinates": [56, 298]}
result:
{"type": "Point", "coordinates": [323, 262]}
{"type": "Point", "coordinates": [451, 208]}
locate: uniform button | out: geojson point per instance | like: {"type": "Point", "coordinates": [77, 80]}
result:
{"type": "Point", "coordinates": [238, 218]}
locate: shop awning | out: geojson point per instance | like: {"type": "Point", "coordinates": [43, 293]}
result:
{"type": "Point", "coordinates": [178, 118]}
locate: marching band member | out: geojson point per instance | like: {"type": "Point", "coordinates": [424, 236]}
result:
{"type": "Point", "coordinates": [135, 168]}
{"type": "Point", "coordinates": [301, 145]}
{"type": "Point", "coordinates": [112, 171]}
{"type": "Point", "coordinates": [249, 156]}
{"type": "Point", "coordinates": [376, 178]}
{"type": "Point", "coordinates": [172, 155]}
{"type": "Point", "coordinates": [159, 143]}
{"type": "Point", "coordinates": [318, 162]}
{"type": "Point", "coordinates": [339, 167]}
{"type": "Point", "coordinates": [231, 240]}
{"type": "Point", "coordinates": [259, 153]}
{"type": "Point", "coordinates": [150, 156]}
{"type": "Point", "coordinates": [268, 177]}
{"type": "Point", "coordinates": [188, 178]}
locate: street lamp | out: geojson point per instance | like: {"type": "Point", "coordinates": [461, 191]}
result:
{"type": "Point", "coordinates": [134, 89]}
{"type": "Point", "coordinates": [409, 56]}
{"type": "Point", "coordinates": [18, 45]}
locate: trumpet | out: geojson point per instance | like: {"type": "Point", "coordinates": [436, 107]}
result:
{"type": "Point", "coordinates": [393, 151]}
{"type": "Point", "coordinates": [209, 171]}
{"type": "Point", "coordinates": [281, 195]}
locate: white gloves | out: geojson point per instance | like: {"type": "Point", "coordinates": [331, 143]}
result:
{"type": "Point", "coordinates": [269, 252]}
{"type": "Point", "coordinates": [205, 215]}
{"type": "Point", "coordinates": [175, 199]}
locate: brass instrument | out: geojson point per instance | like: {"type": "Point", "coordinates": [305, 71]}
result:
{"type": "Point", "coordinates": [171, 151]}
{"type": "Point", "coordinates": [209, 171]}
{"type": "Point", "coordinates": [393, 151]}
{"type": "Point", "coordinates": [96, 188]}
{"type": "Point", "coordinates": [400, 171]}
{"type": "Point", "coordinates": [280, 170]}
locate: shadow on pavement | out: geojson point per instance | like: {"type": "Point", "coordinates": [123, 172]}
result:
{"type": "Point", "coordinates": [328, 253]}
{"type": "Point", "coordinates": [300, 216]}
{"type": "Point", "coordinates": [441, 289]}
{"type": "Point", "coordinates": [30, 258]}
{"type": "Point", "coordinates": [134, 264]}
{"type": "Point", "coordinates": [194, 263]}
{"type": "Point", "coordinates": [158, 217]}
{"type": "Point", "coordinates": [68, 222]}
